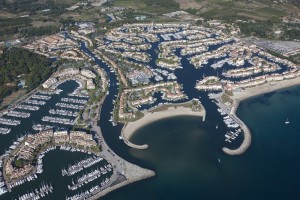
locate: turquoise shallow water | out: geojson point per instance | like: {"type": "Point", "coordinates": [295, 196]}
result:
{"type": "Point", "coordinates": [184, 151]}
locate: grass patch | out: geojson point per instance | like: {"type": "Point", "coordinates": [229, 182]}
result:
{"type": "Point", "coordinates": [226, 99]}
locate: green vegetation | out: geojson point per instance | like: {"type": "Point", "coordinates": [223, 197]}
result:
{"type": "Point", "coordinates": [141, 3]}
{"type": "Point", "coordinates": [19, 163]}
{"type": "Point", "coordinates": [39, 31]}
{"type": "Point", "coordinates": [95, 149]}
{"type": "Point", "coordinates": [295, 58]}
{"type": "Point", "coordinates": [260, 29]}
{"type": "Point", "coordinates": [32, 6]}
{"type": "Point", "coordinates": [226, 99]}
{"type": "Point", "coordinates": [150, 6]}
{"type": "Point", "coordinates": [16, 64]}
{"type": "Point", "coordinates": [164, 3]}
{"type": "Point", "coordinates": [291, 34]}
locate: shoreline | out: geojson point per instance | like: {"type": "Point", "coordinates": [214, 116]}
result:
{"type": "Point", "coordinates": [130, 128]}
{"type": "Point", "coordinates": [247, 94]}
{"type": "Point", "coordinates": [265, 88]}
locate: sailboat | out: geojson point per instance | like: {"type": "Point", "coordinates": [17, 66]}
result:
{"type": "Point", "coordinates": [287, 121]}
{"type": "Point", "coordinates": [217, 126]}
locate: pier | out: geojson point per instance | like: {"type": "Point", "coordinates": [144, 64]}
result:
{"type": "Point", "coordinates": [246, 132]}
{"type": "Point", "coordinates": [58, 120]}
{"type": "Point", "coordinates": [4, 131]}
{"type": "Point", "coordinates": [27, 107]}
{"type": "Point", "coordinates": [72, 100]}
{"type": "Point", "coordinates": [18, 114]}
{"type": "Point", "coordinates": [79, 166]}
{"type": "Point", "coordinates": [9, 122]}
{"type": "Point", "coordinates": [37, 193]}
{"type": "Point", "coordinates": [70, 106]}
{"type": "Point", "coordinates": [41, 97]}
{"type": "Point", "coordinates": [89, 177]}
{"type": "Point", "coordinates": [232, 121]}
{"type": "Point", "coordinates": [35, 102]}
{"type": "Point", "coordinates": [63, 112]}
{"type": "Point", "coordinates": [125, 172]}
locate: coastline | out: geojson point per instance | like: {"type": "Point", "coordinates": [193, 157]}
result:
{"type": "Point", "coordinates": [151, 116]}
{"type": "Point", "coordinates": [250, 93]}
{"type": "Point", "coordinates": [265, 88]}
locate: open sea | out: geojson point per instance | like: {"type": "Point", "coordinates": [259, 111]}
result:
{"type": "Point", "coordinates": [184, 151]}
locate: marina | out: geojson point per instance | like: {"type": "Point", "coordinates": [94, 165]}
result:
{"type": "Point", "coordinates": [38, 193]}
{"type": "Point", "coordinates": [79, 166]}
{"type": "Point", "coordinates": [70, 106]}
{"type": "Point", "coordinates": [18, 114]}
{"type": "Point", "coordinates": [88, 193]}
{"type": "Point", "coordinates": [231, 135]}
{"type": "Point", "coordinates": [58, 120]}
{"type": "Point", "coordinates": [39, 168]}
{"type": "Point", "coordinates": [27, 107]}
{"type": "Point", "coordinates": [50, 92]}
{"type": "Point", "coordinates": [90, 176]}
{"type": "Point", "coordinates": [22, 181]}
{"type": "Point", "coordinates": [35, 102]}
{"type": "Point", "coordinates": [9, 122]}
{"type": "Point", "coordinates": [41, 127]}
{"type": "Point", "coordinates": [72, 100]}
{"type": "Point", "coordinates": [230, 122]}
{"type": "Point", "coordinates": [41, 97]}
{"type": "Point", "coordinates": [63, 112]}
{"type": "Point", "coordinates": [4, 131]}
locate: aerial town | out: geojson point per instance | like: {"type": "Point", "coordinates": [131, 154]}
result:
{"type": "Point", "coordinates": [138, 67]}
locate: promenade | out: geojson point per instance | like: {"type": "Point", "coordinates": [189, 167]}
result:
{"type": "Point", "coordinates": [124, 172]}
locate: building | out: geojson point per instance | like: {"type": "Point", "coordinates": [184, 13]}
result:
{"type": "Point", "coordinates": [88, 73]}
{"type": "Point", "coordinates": [90, 84]}
{"type": "Point", "coordinates": [49, 83]}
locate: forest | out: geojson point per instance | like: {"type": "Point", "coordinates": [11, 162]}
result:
{"type": "Point", "coordinates": [14, 62]}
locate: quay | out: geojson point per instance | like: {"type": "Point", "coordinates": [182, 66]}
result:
{"type": "Point", "coordinates": [89, 177]}
{"type": "Point", "coordinates": [126, 173]}
{"type": "Point", "coordinates": [247, 134]}
{"type": "Point", "coordinates": [231, 112]}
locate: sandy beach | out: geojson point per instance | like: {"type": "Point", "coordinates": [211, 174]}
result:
{"type": "Point", "coordinates": [248, 93]}
{"type": "Point", "coordinates": [262, 89]}
{"type": "Point", "coordinates": [130, 128]}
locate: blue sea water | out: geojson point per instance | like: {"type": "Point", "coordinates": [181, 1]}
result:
{"type": "Point", "coordinates": [184, 151]}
